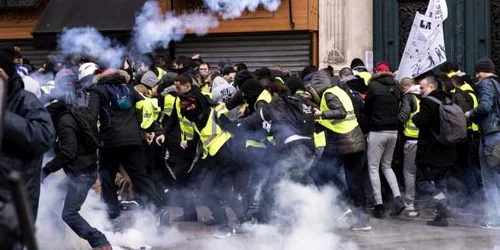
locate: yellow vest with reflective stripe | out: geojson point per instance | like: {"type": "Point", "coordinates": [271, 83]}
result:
{"type": "Point", "coordinates": [410, 129]}
{"type": "Point", "coordinates": [150, 111]}
{"type": "Point", "coordinates": [187, 127]}
{"type": "Point", "coordinates": [342, 126]}
{"type": "Point", "coordinates": [266, 97]}
{"type": "Point", "coordinates": [212, 136]}
{"type": "Point", "coordinates": [168, 107]}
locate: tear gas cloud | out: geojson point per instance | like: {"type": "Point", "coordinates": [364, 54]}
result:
{"type": "Point", "coordinates": [230, 9]}
{"type": "Point", "coordinates": [88, 41]}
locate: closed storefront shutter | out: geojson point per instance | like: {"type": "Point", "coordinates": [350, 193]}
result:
{"type": "Point", "coordinates": [255, 50]}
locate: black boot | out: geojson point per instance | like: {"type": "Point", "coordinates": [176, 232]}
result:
{"type": "Point", "coordinates": [379, 211]}
{"type": "Point", "coordinates": [441, 219]}
{"type": "Point", "coordinates": [397, 206]}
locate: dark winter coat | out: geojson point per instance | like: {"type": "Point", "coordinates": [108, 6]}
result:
{"type": "Point", "coordinates": [117, 127]}
{"type": "Point", "coordinates": [77, 142]}
{"type": "Point", "coordinates": [430, 152]}
{"type": "Point", "coordinates": [487, 114]}
{"type": "Point", "coordinates": [28, 131]}
{"type": "Point", "coordinates": [382, 102]}
{"type": "Point", "coordinates": [408, 105]}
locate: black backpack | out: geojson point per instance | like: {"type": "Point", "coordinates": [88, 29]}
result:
{"type": "Point", "coordinates": [301, 115]}
{"type": "Point", "coordinates": [121, 96]}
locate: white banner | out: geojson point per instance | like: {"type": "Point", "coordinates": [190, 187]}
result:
{"type": "Point", "coordinates": [425, 48]}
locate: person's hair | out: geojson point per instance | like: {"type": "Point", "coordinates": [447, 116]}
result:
{"type": "Point", "coordinates": [205, 63]}
{"type": "Point", "coordinates": [183, 78]}
{"type": "Point", "coordinates": [265, 82]}
{"type": "Point", "coordinates": [431, 79]}
{"type": "Point", "coordinates": [279, 88]}
{"type": "Point", "coordinates": [240, 67]}
{"type": "Point", "coordinates": [228, 69]}
{"type": "Point", "coordinates": [406, 82]}
{"type": "Point", "coordinates": [308, 70]}
{"type": "Point", "coordinates": [140, 88]}
{"type": "Point", "coordinates": [448, 67]}
{"type": "Point", "coordinates": [213, 75]}
{"type": "Point", "coordinates": [345, 72]}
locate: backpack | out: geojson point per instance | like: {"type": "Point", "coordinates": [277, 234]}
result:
{"type": "Point", "coordinates": [121, 97]}
{"type": "Point", "coordinates": [452, 122]}
{"type": "Point", "coordinates": [301, 115]}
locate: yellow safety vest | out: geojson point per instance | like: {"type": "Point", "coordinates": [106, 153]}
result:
{"type": "Point", "coordinates": [150, 111]}
{"type": "Point", "coordinates": [320, 140]}
{"type": "Point", "coordinates": [342, 126]}
{"type": "Point", "coordinates": [410, 129]}
{"type": "Point", "coordinates": [187, 127]}
{"type": "Point", "coordinates": [366, 76]}
{"type": "Point", "coordinates": [468, 89]}
{"type": "Point", "coordinates": [279, 79]}
{"type": "Point", "coordinates": [212, 136]}
{"type": "Point", "coordinates": [268, 98]}
{"type": "Point", "coordinates": [205, 88]}
{"type": "Point", "coordinates": [161, 73]}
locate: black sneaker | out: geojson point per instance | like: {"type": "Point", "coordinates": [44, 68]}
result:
{"type": "Point", "coordinates": [490, 225]}
{"type": "Point", "coordinates": [223, 232]}
{"type": "Point", "coordinates": [438, 222]}
{"type": "Point", "coordinates": [379, 211]}
{"type": "Point", "coordinates": [397, 206]}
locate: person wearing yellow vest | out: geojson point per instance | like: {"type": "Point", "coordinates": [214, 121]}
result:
{"type": "Point", "coordinates": [468, 151]}
{"type": "Point", "coordinates": [345, 142]}
{"type": "Point", "coordinates": [290, 120]}
{"type": "Point", "coordinates": [256, 146]}
{"type": "Point", "coordinates": [410, 105]}
{"type": "Point", "coordinates": [359, 69]}
{"type": "Point", "coordinates": [220, 149]}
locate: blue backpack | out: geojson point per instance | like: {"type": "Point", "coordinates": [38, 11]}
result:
{"type": "Point", "coordinates": [121, 98]}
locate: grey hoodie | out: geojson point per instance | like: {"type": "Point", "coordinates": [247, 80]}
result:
{"type": "Point", "coordinates": [222, 91]}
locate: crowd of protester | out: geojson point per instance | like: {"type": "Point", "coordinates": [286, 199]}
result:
{"type": "Point", "coordinates": [188, 133]}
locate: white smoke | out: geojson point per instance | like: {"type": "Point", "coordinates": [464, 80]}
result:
{"type": "Point", "coordinates": [230, 9]}
{"type": "Point", "coordinates": [90, 42]}
{"type": "Point", "coordinates": [154, 30]}
{"type": "Point", "coordinates": [53, 234]}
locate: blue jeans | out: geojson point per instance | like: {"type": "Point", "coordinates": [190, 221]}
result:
{"type": "Point", "coordinates": [78, 187]}
{"type": "Point", "coordinates": [491, 176]}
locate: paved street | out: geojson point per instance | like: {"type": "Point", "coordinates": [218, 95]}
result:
{"type": "Point", "coordinates": [390, 233]}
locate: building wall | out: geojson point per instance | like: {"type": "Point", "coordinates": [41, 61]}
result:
{"type": "Point", "coordinates": [345, 32]}
{"type": "Point", "coordinates": [19, 23]}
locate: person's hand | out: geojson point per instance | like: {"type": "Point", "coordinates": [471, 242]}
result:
{"type": "Point", "coordinates": [184, 144]}
{"type": "Point", "coordinates": [150, 137]}
{"type": "Point", "coordinates": [241, 112]}
{"type": "Point", "coordinates": [467, 115]}
{"type": "Point", "coordinates": [318, 113]}
{"type": "Point", "coordinates": [160, 140]}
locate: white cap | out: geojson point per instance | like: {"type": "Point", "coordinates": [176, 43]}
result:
{"type": "Point", "coordinates": [87, 69]}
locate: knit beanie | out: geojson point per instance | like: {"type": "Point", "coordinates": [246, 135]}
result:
{"type": "Point", "coordinates": [7, 61]}
{"type": "Point", "coordinates": [356, 62]}
{"type": "Point", "coordinates": [150, 79]}
{"type": "Point", "coordinates": [484, 65]}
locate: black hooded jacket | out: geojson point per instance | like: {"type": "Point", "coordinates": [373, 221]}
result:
{"type": "Point", "coordinates": [382, 102]}
{"type": "Point", "coordinates": [28, 131]}
{"type": "Point", "coordinates": [77, 141]}
{"type": "Point", "coordinates": [430, 151]}
{"type": "Point", "coordinates": [117, 127]}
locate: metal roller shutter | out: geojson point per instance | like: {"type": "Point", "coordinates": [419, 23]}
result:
{"type": "Point", "coordinates": [255, 50]}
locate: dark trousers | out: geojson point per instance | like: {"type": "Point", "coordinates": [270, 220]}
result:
{"type": "Point", "coordinates": [32, 184]}
{"type": "Point", "coordinates": [329, 169]}
{"type": "Point", "coordinates": [433, 181]}
{"type": "Point", "coordinates": [79, 185]}
{"type": "Point", "coordinates": [353, 165]}
{"type": "Point", "coordinates": [219, 182]}
{"type": "Point", "coordinates": [258, 172]}
{"type": "Point", "coordinates": [131, 157]}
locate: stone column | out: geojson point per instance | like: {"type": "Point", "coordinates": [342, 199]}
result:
{"type": "Point", "coordinates": [345, 31]}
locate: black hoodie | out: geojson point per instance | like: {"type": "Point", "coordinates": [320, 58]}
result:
{"type": "Point", "coordinates": [77, 140]}
{"type": "Point", "coordinates": [382, 102]}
